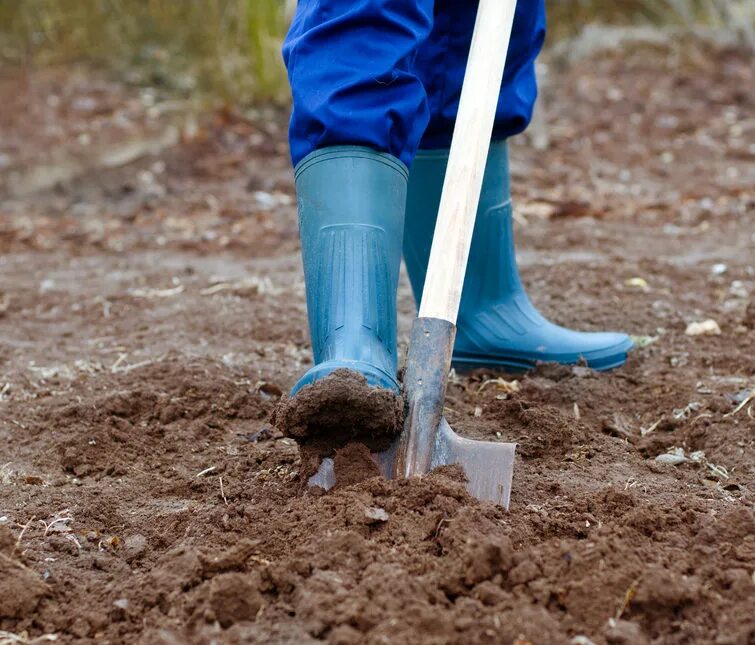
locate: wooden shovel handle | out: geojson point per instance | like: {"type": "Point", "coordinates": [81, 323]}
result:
{"type": "Point", "coordinates": [466, 162]}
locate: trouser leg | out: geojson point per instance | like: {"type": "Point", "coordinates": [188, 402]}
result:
{"type": "Point", "coordinates": [441, 63]}
{"type": "Point", "coordinates": [351, 68]}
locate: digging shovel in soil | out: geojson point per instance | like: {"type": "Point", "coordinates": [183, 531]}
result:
{"type": "Point", "coordinates": [427, 441]}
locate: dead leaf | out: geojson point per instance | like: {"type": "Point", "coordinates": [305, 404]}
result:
{"type": "Point", "coordinates": [705, 328]}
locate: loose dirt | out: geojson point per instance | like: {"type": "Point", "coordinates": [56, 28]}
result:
{"type": "Point", "coordinates": [152, 316]}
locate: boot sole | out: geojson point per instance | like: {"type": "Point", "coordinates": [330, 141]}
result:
{"type": "Point", "coordinates": [464, 364]}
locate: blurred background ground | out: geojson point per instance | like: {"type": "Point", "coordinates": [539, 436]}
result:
{"type": "Point", "coordinates": [129, 77]}
{"type": "Point", "coordinates": [229, 49]}
{"type": "Point", "coordinates": [152, 313]}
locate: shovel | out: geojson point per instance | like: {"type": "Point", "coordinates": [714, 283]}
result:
{"type": "Point", "coordinates": [427, 441]}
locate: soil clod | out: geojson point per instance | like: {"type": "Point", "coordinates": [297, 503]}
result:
{"type": "Point", "coordinates": [339, 408]}
{"type": "Point", "coordinates": [354, 464]}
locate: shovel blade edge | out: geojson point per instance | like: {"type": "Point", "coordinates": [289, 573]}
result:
{"type": "Point", "coordinates": [488, 466]}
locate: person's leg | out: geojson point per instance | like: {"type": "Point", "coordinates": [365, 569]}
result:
{"type": "Point", "coordinates": [497, 324]}
{"type": "Point", "coordinates": [358, 115]}
{"type": "Point", "coordinates": [350, 66]}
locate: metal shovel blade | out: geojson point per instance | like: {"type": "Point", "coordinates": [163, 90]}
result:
{"type": "Point", "coordinates": [488, 466]}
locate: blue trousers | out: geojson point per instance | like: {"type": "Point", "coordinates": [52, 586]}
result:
{"type": "Point", "coordinates": [387, 74]}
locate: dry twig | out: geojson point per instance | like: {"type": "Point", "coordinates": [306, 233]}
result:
{"type": "Point", "coordinates": [746, 400]}
{"type": "Point", "coordinates": [21, 535]}
{"type": "Point", "coordinates": [628, 597]}
{"type": "Point", "coordinates": [222, 492]}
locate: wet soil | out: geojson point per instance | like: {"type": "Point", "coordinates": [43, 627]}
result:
{"type": "Point", "coordinates": [152, 315]}
{"type": "Point", "coordinates": [339, 408]}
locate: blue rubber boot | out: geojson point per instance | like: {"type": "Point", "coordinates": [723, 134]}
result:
{"type": "Point", "coordinates": [351, 220]}
{"type": "Point", "coordinates": [497, 326]}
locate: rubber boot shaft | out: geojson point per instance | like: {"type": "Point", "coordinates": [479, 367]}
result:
{"type": "Point", "coordinates": [497, 324]}
{"type": "Point", "coordinates": [351, 216]}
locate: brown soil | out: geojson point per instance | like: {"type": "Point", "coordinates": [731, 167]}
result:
{"type": "Point", "coordinates": [152, 314]}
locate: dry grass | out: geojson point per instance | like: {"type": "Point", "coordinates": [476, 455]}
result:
{"type": "Point", "coordinates": [224, 48]}
{"type": "Point", "coordinates": [567, 18]}
{"type": "Point", "coordinates": [229, 49]}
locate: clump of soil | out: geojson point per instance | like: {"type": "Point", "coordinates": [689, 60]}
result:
{"type": "Point", "coordinates": [339, 408]}
{"type": "Point", "coordinates": [22, 588]}
{"type": "Point", "coordinates": [234, 597]}
{"type": "Point", "coordinates": [354, 464]}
